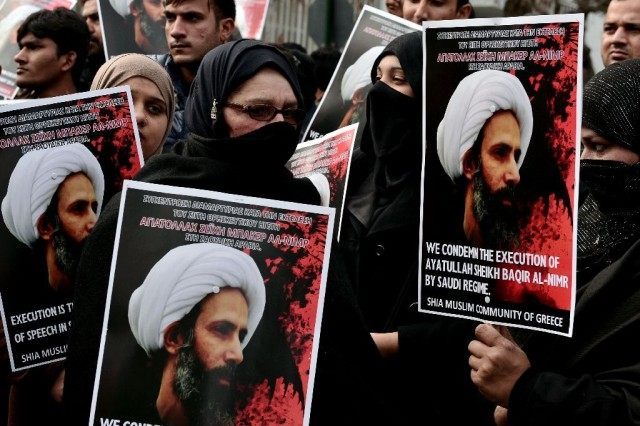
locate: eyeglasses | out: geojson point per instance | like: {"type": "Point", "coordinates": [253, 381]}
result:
{"type": "Point", "coordinates": [266, 112]}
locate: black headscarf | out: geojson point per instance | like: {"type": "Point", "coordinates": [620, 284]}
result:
{"type": "Point", "coordinates": [408, 49]}
{"type": "Point", "coordinates": [611, 104]}
{"type": "Point", "coordinates": [251, 164]}
{"type": "Point", "coordinates": [221, 71]}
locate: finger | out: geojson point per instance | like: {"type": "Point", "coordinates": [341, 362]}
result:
{"type": "Point", "coordinates": [488, 335]}
{"type": "Point", "coordinates": [478, 348]}
{"type": "Point", "coordinates": [504, 332]}
{"type": "Point", "coordinates": [500, 416]}
{"type": "Point", "coordinates": [474, 362]}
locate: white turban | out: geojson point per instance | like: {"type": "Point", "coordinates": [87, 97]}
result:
{"type": "Point", "coordinates": [182, 278]}
{"type": "Point", "coordinates": [477, 97]}
{"type": "Point", "coordinates": [36, 178]}
{"type": "Point", "coordinates": [358, 75]}
{"type": "Point", "coordinates": [122, 7]}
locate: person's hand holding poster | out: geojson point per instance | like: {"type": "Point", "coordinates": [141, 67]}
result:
{"type": "Point", "coordinates": [500, 170]}
{"type": "Point", "coordinates": [213, 311]}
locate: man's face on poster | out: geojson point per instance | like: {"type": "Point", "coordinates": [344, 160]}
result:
{"type": "Point", "coordinates": [206, 362]}
{"type": "Point", "coordinates": [151, 13]}
{"type": "Point", "coordinates": [76, 214]}
{"type": "Point", "coordinates": [496, 179]}
{"type": "Point", "coordinates": [92, 18]}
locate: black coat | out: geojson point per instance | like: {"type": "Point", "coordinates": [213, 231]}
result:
{"type": "Point", "coordinates": [592, 378]}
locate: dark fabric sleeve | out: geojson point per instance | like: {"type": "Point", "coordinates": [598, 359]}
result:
{"type": "Point", "coordinates": [351, 385]}
{"type": "Point", "coordinates": [89, 301]}
{"type": "Point", "coordinates": [550, 399]}
{"type": "Point", "coordinates": [435, 359]}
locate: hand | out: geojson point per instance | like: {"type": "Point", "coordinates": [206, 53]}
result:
{"type": "Point", "coordinates": [500, 416]}
{"type": "Point", "coordinates": [387, 343]}
{"type": "Point", "coordinates": [496, 362]}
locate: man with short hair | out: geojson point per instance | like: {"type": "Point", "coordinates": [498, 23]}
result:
{"type": "Point", "coordinates": [621, 32]}
{"type": "Point", "coordinates": [53, 199]}
{"type": "Point", "coordinates": [482, 141]}
{"type": "Point", "coordinates": [436, 10]}
{"type": "Point", "coordinates": [53, 48]}
{"type": "Point", "coordinates": [194, 313]}
{"type": "Point", "coordinates": [193, 28]}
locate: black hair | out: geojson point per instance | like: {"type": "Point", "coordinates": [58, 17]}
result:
{"type": "Point", "coordinates": [66, 28]}
{"type": "Point", "coordinates": [222, 8]}
{"type": "Point", "coordinates": [304, 67]}
{"type": "Point", "coordinates": [325, 61]}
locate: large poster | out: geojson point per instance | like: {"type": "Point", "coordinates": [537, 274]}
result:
{"type": "Point", "coordinates": [12, 15]}
{"type": "Point", "coordinates": [500, 172]}
{"type": "Point", "coordinates": [214, 309]}
{"type": "Point", "coordinates": [61, 160]}
{"type": "Point", "coordinates": [330, 156]}
{"type": "Point", "coordinates": [344, 101]}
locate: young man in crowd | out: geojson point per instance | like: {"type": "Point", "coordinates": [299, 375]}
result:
{"type": "Point", "coordinates": [193, 28]}
{"type": "Point", "coordinates": [53, 49]}
{"type": "Point", "coordinates": [621, 32]}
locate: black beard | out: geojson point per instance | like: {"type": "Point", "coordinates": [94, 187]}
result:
{"type": "Point", "coordinates": [205, 400]}
{"type": "Point", "coordinates": [154, 32]}
{"type": "Point", "coordinates": [499, 224]}
{"type": "Point", "coordinates": [67, 253]}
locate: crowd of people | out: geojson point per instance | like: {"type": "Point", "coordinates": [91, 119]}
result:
{"type": "Point", "coordinates": [225, 114]}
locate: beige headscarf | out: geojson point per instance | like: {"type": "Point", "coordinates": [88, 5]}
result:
{"type": "Point", "coordinates": [121, 68]}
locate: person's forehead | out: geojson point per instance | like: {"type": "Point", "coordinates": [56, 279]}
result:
{"type": "Point", "coordinates": [389, 61]}
{"type": "Point", "coordinates": [217, 306]}
{"type": "Point", "coordinates": [624, 9]}
{"type": "Point", "coordinates": [30, 38]}
{"type": "Point", "coordinates": [267, 84]}
{"type": "Point", "coordinates": [75, 179]}
{"type": "Point", "coordinates": [502, 121]}
{"type": "Point", "coordinates": [186, 6]}
{"type": "Point", "coordinates": [89, 7]}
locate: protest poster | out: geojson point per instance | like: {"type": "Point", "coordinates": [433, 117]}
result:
{"type": "Point", "coordinates": [12, 15]}
{"type": "Point", "coordinates": [344, 101]}
{"type": "Point", "coordinates": [132, 26]}
{"type": "Point", "coordinates": [173, 246]}
{"type": "Point", "coordinates": [330, 156]}
{"type": "Point", "coordinates": [61, 160]}
{"type": "Point", "coordinates": [250, 17]}
{"type": "Point", "coordinates": [502, 129]}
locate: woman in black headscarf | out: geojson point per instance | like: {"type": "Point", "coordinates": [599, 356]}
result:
{"type": "Point", "coordinates": [384, 194]}
{"type": "Point", "coordinates": [216, 157]}
{"type": "Point", "coordinates": [233, 147]}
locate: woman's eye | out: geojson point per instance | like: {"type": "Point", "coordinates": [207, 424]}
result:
{"type": "Point", "coordinates": [155, 109]}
